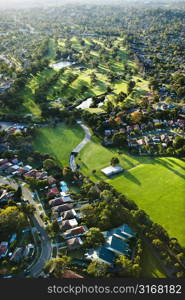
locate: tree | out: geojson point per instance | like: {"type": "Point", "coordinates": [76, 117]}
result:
{"type": "Point", "coordinates": [158, 244]}
{"type": "Point", "coordinates": [92, 193]}
{"type": "Point", "coordinates": [119, 139]}
{"type": "Point", "coordinates": [181, 256]}
{"type": "Point", "coordinates": [36, 183]}
{"type": "Point", "coordinates": [97, 269]}
{"type": "Point", "coordinates": [160, 232]}
{"type": "Point", "coordinates": [131, 83]}
{"type": "Point", "coordinates": [93, 238]}
{"type": "Point", "coordinates": [18, 194]}
{"type": "Point", "coordinates": [141, 217]}
{"type": "Point", "coordinates": [136, 117]}
{"type": "Point", "coordinates": [49, 164]}
{"type": "Point", "coordinates": [106, 195]}
{"type": "Point", "coordinates": [136, 270]}
{"type": "Point", "coordinates": [11, 220]}
{"type": "Point", "coordinates": [114, 161]}
{"type": "Point", "coordinates": [181, 91]}
{"type": "Point", "coordinates": [57, 265]}
{"type": "Point", "coordinates": [28, 209]}
{"type": "Point", "coordinates": [125, 266]}
{"type": "Point", "coordinates": [179, 142]}
{"type": "Point", "coordinates": [55, 226]}
{"type": "Point", "coordinates": [67, 174]}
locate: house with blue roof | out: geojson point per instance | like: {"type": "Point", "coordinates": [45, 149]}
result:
{"type": "Point", "coordinates": [101, 254]}
{"type": "Point", "coordinates": [117, 243]}
{"type": "Point", "coordinates": [118, 246]}
{"type": "Point", "coordinates": [106, 256]}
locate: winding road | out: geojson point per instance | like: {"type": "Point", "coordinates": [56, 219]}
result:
{"type": "Point", "coordinates": [78, 148]}
{"type": "Point", "coordinates": [46, 246]}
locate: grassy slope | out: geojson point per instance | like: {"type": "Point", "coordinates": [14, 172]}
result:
{"type": "Point", "coordinates": [74, 89]}
{"type": "Point", "coordinates": [159, 189]}
{"type": "Point", "coordinates": [156, 185]}
{"type": "Point", "coordinates": [30, 106]}
{"type": "Point", "coordinates": [58, 141]}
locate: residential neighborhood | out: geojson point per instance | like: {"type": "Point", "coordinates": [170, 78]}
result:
{"type": "Point", "coordinates": [92, 140]}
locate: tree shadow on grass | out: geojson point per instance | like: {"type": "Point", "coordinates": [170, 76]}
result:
{"type": "Point", "coordinates": [130, 164]}
{"type": "Point", "coordinates": [97, 176]}
{"type": "Point", "coordinates": [175, 163]}
{"type": "Point", "coordinates": [128, 176]}
{"type": "Point", "coordinates": [82, 164]}
{"type": "Point", "coordinates": [131, 177]}
{"type": "Point", "coordinates": [168, 166]}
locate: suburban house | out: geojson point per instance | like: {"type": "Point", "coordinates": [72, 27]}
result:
{"type": "Point", "coordinates": [27, 168]}
{"type": "Point", "coordinates": [74, 243]}
{"type": "Point", "coordinates": [51, 180]}
{"type": "Point", "coordinates": [3, 161]}
{"type": "Point", "coordinates": [77, 231]}
{"type": "Point", "coordinates": [67, 198]}
{"type": "Point", "coordinates": [64, 207]}
{"type": "Point", "coordinates": [5, 166]}
{"type": "Point", "coordinates": [61, 208]}
{"type": "Point", "coordinates": [55, 202]}
{"type": "Point", "coordinates": [68, 224]}
{"type": "Point", "coordinates": [69, 214]}
{"type": "Point", "coordinates": [116, 244]}
{"type": "Point", "coordinates": [53, 192]}
{"type": "Point", "coordinates": [101, 254]}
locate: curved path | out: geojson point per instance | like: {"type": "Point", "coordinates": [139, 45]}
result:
{"type": "Point", "coordinates": [78, 148]}
{"type": "Point", "coordinates": [46, 247]}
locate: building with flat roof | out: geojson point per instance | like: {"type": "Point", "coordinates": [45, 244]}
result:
{"type": "Point", "coordinates": [111, 170]}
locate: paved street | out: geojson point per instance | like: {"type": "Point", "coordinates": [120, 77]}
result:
{"type": "Point", "coordinates": [46, 247]}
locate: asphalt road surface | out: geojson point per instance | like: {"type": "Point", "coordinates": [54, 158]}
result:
{"type": "Point", "coordinates": [46, 247]}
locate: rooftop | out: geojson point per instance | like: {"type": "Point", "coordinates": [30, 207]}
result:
{"type": "Point", "coordinates": [112, 170]}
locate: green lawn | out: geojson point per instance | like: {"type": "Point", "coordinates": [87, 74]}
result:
{"type": "Point", "coordinates": [74, 89]}
{"type": "Point", "coordinates": [155, 184]}
{"type": "Point", "coordinates": [159, 189]}
{"type": "Point", "coordinates": [59, 141]}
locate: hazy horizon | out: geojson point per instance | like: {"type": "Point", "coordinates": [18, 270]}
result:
{"type": "Point", "coordinates": [32, 3]}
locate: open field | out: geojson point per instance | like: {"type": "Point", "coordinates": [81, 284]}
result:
{"type": "Point", "coordinates": [159, 189]}
{"type": "Point", "coordinates": [155, 184]}
{"type": "Point", "coordinates": [58, 142]}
